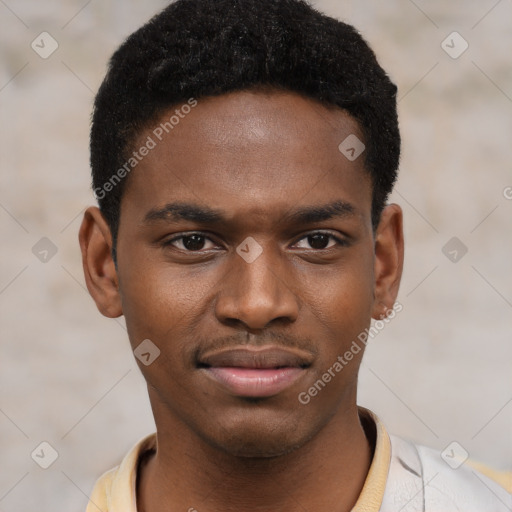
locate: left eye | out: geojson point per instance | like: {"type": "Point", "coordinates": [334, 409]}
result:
{"type": "Point", "coordinates": [318, 241]}
{"type": "Point", "coordinates": [191, 243]}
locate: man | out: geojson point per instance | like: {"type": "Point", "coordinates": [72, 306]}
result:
{"type": "Point", "coordinates": [242, 154]}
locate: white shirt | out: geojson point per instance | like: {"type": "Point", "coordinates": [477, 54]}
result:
{"type": "Point", "coordinates": [403, 477]}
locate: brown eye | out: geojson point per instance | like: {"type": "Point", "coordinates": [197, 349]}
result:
{"type": "Point", "coordinates": [319, 241]}
{"type": "Point", "coordinates": [194, 242]}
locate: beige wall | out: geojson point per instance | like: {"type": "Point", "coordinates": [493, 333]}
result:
{"type": "Point", "coordinates": [441, 371]}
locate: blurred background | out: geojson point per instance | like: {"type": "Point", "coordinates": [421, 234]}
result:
{"type": "Point", "coordinates": [440, 372]}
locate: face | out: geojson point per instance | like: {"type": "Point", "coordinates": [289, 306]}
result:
{"type": "Point", "coordinates": [246, 255]}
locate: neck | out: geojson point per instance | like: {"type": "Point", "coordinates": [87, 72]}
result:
{"type": "Point", "coordinates": [186, 473]}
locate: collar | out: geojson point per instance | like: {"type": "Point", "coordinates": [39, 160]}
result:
{"type": "Point", "coordinates": [117, 488]}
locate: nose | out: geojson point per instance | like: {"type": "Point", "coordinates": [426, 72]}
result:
{"type": "Point", "coordinates": [257, 293]}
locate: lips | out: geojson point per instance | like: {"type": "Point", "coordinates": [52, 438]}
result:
{"type": "Point", "coordinates": [260, 358]}
{"type": "Point", "coordinates": [255, 372]}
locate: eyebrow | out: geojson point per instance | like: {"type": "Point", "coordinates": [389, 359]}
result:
{"type": "Point", "coordinates": [312, 214]}
{"type": "Point", "coordinates": [205, 215]}
{"type": "Point", "coordinates": [185, 211]}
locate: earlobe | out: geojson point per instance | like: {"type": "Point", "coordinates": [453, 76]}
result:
{"type": "Point", "coordinates": [389, 260]}
{"type": "Point", "coordinates": [99, 268]}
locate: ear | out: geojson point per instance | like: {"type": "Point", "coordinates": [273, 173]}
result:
{"type": "Point", "coordinates": [99, 269]}
{"type": "Point", "coordinates": [389, 260]}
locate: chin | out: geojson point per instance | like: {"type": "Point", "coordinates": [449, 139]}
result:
{"type": "Point", "coordinates": [257, 440]}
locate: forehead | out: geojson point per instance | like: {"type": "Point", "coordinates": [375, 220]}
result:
{"type": "Point", "coordinates": [253, 150]}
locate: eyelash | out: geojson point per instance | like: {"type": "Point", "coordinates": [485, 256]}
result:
{"type": "Point", "coordinates": [339, 241]}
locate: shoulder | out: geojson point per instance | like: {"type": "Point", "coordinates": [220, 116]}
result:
{"type": "Point", "coordinates": [504, 478]}
{"type": "Point", "coordinates": [432, 483]}
{"type": "Point", "coordinates": [460, 483]}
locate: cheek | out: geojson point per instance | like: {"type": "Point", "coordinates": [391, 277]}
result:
{"type": "Point", "coordinates": [342, 299]}
{"type": "Point", "coordinates": [342, 307]}
{"type": "Point", "coordinates": [159, 301]}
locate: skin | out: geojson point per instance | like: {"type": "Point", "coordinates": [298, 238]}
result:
{"type": "Point", "coordinates": [256, 157]}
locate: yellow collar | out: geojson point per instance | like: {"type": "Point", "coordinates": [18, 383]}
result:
{"type": "Point", "coordinates": [115, 491]}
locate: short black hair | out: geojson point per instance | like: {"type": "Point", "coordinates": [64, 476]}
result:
{"type": "Point", "coordinates": [201, 48]}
